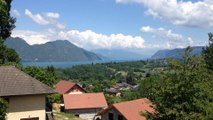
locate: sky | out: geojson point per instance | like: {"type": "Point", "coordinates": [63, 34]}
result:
{"type": "Point", "coordinates": [115, 24]}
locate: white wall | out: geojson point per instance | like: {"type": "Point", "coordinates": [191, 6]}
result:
{"type": "Point", "coordinates": [115, 114]}
{"type": "Point", "coordinates": [88, 114]}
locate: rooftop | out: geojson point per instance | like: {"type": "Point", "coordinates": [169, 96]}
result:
{"type": "Point", "coordinates": [82, 101]}
{"type": "Point", "coordinates": [63, 86]}
{"type": "Point", "coordinates": [131, 110]}
{"type": "Point", "coordinates": [16, 82]}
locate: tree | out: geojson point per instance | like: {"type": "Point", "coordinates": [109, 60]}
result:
{"type": "Point", "coordinates": [42, 74]}
{"type": "Point", "coordinates": [208, 53]}
{"type": "Point", "coordinates": [184, 92]}
{"type": "Point", "coordinates": [7, 23]}
{"type": "Point", "coordinates": [128, 95]}
{"type": "Point", "coordinates": [2, 52]}
{"type": "Point", "coordinates": [8, 55]}
{"type": "Point", "coordinates": [3, 109]}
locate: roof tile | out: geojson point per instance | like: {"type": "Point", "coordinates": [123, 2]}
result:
{"type": "Point", "coordinates": [82, 101]}
{"type": "Point", "coordinates": [131, 110]}
{"type": "Point", "coordinates": [63, 86]}
{"type": "Point", "coordinates": [15, 82]}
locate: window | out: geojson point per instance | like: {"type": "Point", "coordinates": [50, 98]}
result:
{"type": "Point", "coordinates": [120, 117]}
{"type": "Point", "coordinates": [110, 115]}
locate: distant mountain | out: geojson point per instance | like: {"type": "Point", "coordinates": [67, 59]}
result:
{"type": "Point", "coordinates": [119, 54]}
{"type": "Point", "coordinates": [55, 51]}
{"type": "Point", "coordinates": [176, 53]}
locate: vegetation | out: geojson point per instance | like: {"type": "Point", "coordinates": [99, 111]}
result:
{"type": "Point", "coordinates": [55, 98]}
{"type": "Point", "coordinates": [62, 115]}
{"type": "Point", "coordinates": [122, 72]}
{"type": "Point", "coordinates": [3, 108]}
{"type": "Point", "coordinates": [45, 75]}
{"type": "Point", "coordinates": [7, 23]}
{"type": "Point", "coordinates": [185, 92]}
{"type": "Point", "coordinates": [176, 53]}
{"type": "Point", "coordinates": [50, 51]}
{"type": "Point", "coordinates": [180, 89]}
{"type": "Point", "coordinates": [208, 53]}
{"type": "Point", "coordinates": [7, 55]}
{"type": "Point", "coordinates": [99, 77]}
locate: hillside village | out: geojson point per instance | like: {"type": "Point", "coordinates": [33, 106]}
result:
{"type": "Point", "coordinates": [173, 85]}
{"type": "Point", "coordinates": [106, 91]}
{"type": "Point", "coordinates": [27, 101]}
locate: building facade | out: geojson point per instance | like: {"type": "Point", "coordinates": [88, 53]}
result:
{"type": "Point", "coordinates": [25, 95]}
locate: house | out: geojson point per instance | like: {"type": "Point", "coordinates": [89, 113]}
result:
{"type": "Point", "coordinates": [122, 86]}
{"type": "Point", "coordinates": [26, 96]}
{"type": "Point", "coordinates": [118, 88]}
{"type": "Point", "coordinates": [67, 87]}
{"type": "Point", "coordinates": [86, 105]}
{"type": "Point", "coordinates": [113, 92]}
{"type": "Point", "coordinates": [130, 110]}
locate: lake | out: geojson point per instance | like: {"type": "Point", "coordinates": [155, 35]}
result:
{"type": "Point", "coordinates": [66, 64]}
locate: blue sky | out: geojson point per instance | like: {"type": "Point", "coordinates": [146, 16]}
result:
{"type": "Point", "coordinates": [115, 24]}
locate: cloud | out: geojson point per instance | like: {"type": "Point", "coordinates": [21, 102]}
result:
{"type": "Point", "coordinates": [15, 13]}
{"type": "Point", "coordinates": [31, 37]}
{"type": "Point", "coordinates": [185, 13]}
{"type": "Point", "coordinates": [49, 18]}
{"type": "Point", "coordinates": [86, 39]}
{"type": "Point", "coordinates": [36, 18]}
{"type": "Point", "coordinates": [52, 15]}
{"type": "Point", "coordinates": [91, 40]}
{"type": "Point", "coordinates": [171, 40]}
{"type": "Point", "coordinates": [60, 26]}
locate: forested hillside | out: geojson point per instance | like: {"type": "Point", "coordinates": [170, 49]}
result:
{"type": "Point", "coordinates": [59, 50]}
{"type": "Point", "coordinates": [176, 53]}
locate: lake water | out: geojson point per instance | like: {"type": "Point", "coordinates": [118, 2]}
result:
{"type": "Point", "coordinates": [66, 64]}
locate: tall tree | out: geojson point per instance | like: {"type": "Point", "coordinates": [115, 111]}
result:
{"type": "Point", "coordinates": [208, 53]}
{"type": "Point", "coordinates": [184, 92]}
{"type": "Point", "coordinates": [7, 24]}
{"type": "Point", "coordinates": [41, 74]}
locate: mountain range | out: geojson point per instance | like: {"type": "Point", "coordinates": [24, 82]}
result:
{"type": "Point", "coordinates": [120, 54]}
{"type": "Point", "coordinates": [55, 51]}
{"type": "Point", "coordinates": [176, 53]}
{"type": "Point", "coordinates": [65, 51]}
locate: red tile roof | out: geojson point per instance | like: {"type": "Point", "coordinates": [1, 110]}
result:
{"type": "Point", "coordinates": [64, 87]}
{"type": "Point", "coordinates": [131, 110]}
{"type": "Point", "coordinates": [83, 101]}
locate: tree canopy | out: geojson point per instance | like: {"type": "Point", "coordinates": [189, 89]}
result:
{"type": "Point", "coordinates": [208, 53]}
{"type": "Point", "coordinates": [183, 92]}
{"type": "Point", "coordinates": [3, 108]}
{"type": "Point", "coordinates": [45, 75]}
{"type": "Point", "coordinates": [7, 24]}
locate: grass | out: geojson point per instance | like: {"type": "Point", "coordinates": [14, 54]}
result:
{"type": "Point", "coordinates": [65, 115]}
